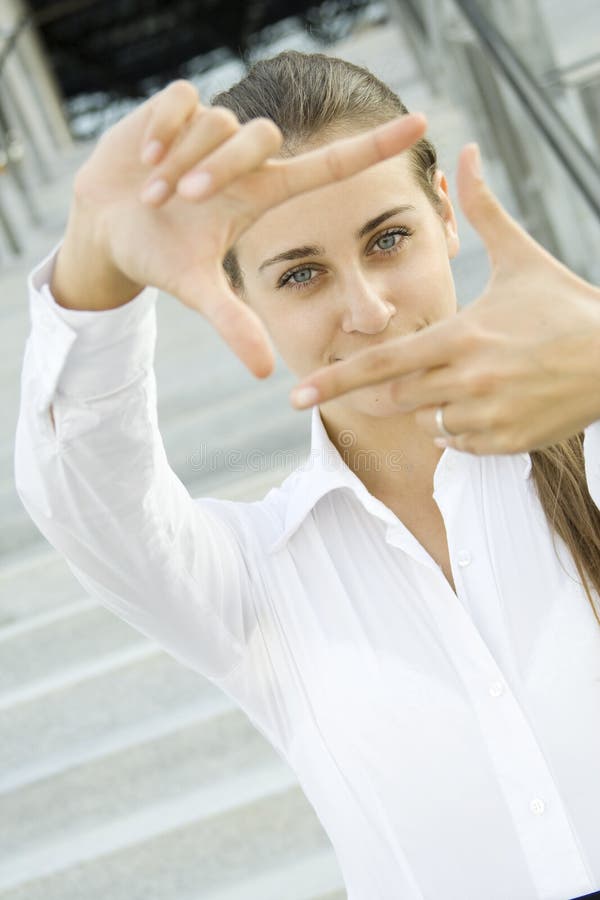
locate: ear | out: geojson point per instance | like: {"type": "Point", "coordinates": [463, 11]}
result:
{"type": "Point", "coordinates": [440, 185]}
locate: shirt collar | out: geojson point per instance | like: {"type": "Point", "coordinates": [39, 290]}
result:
{"type": "Point", "coordinates": [323, 471]}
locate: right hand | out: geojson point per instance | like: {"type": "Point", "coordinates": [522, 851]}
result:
{"type": "Point", "coordinates": [178, 245]}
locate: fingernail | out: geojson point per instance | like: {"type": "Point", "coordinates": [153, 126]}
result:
{"type": "Point", "coordinates": [151, 152]}
{"type": "Point", "coordinates": [155, 191]}
{"type": "Point", "coordinates": [306, 396]}
{"type": "Point", "coordinates": [194, 184]}
{"type": "Point", "coordinates": [440, 442]}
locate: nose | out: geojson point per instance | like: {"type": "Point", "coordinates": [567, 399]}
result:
{"type": "Point", "coordinates": [364, 307]}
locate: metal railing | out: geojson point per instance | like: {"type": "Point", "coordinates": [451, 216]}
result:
{"type": "Point", "coordinates": [575, 158]}
{"type": "Point", "coordinates": [514, 110]}
{"type": "Point", "coordinates": [33, 128]}
{"type": "Point", "coordinates": [583, 77]}
{"type": "Point", "coordinates": [514, 107]}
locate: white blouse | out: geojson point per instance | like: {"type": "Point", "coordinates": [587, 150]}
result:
{"type": "Point", "coordinates": [449, 743]}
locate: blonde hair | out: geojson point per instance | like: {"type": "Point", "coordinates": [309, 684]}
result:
{"type": "Point", "coordinates": [312, 96]}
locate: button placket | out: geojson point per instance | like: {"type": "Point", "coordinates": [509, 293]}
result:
{"type": "Point", "coordinates": [523, 774]}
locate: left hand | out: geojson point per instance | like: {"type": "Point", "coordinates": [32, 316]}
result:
{"type": "Point", "coordinates": [517, 369]}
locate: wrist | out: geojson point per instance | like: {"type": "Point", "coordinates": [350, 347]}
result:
{"type": "Point", "coordinates": [84, 277]}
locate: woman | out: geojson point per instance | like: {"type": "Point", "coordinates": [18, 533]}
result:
{"type": "Point", "coordinates": [400, 622]}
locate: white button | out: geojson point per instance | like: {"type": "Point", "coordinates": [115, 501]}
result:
{"type": "Point", "coordinates": [537, 806]}
{"type": "Point", "coordinates": [496, 688]}
{"type": "Point", "coordinates": [464, 558]}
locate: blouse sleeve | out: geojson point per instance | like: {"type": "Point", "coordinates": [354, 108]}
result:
{"type": "Point", "coordinates": [91, 471]}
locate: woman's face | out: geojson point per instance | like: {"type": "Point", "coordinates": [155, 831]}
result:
{"type": "Point", "coordinates": [359, 269]}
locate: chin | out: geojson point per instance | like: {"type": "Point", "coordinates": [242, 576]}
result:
{"type": "Point", "coordinates": [373, 400]}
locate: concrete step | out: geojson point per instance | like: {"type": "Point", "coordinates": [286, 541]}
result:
{"type": "Point", "coordinates": [217, 838]}
{"type": "Point", "coordinates": [60, 651]}
{"type": "Point", "coordinates": [36, 582]}
{"type": "Point", "coordinates": [34, 585]}
{"type": "Point", "coordinates": [120, 707]}
{"type": "Point", "coordinates": [163, 771]}
{"type": "Point", "coordinates": [50, 199]}
{"type": "Point", "coordinates": [573, 28]}
{"type": "Point", "coordinates": [304, 879]}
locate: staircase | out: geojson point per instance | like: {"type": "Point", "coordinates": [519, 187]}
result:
{"type": "Point", "coordinates": [122, 773]}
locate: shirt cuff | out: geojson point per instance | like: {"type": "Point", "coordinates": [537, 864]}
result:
{"type": "Point", "coordinates": [87, 353]}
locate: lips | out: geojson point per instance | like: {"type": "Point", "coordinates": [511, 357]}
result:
{"type": "Point", "coordinates": [340, 358]}
{"type": "Point", "coordinates": [418, 328]}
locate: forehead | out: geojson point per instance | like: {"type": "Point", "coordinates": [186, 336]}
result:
{"type": "Point", "coordinates": [345, 204]}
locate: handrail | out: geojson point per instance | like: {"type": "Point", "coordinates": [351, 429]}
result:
{"type": "Point", "coordinates": [39, 17]}
{"type": "Point", "coordinates": [12, 38]}
{"type": "Point", "coordinates": [576, 74]}
{"type": "Point", "coordinates": [592, 60]}
{"type": "Point", "coordinates": [574, 156]}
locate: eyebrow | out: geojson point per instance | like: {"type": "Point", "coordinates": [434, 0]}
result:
{"type": "Point", "coordinates": [317, 250]}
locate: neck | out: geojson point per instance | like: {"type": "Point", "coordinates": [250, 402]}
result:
{"type": "Point", "coordinates": [392, 455]}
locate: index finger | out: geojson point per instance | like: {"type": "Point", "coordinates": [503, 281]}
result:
{"type": "Point", "coordinates": [435, 345]}
{"type": "Point", "coordinates": [342, 158]}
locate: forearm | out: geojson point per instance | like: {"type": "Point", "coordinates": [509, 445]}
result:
{"type": "Point", "coordinates": [83, 278]}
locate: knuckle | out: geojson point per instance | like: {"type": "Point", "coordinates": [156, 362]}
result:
{"type": "Point", "coordinates": [278, 186]}
{"type": "Point", "coordinates": [480, 382]}
{"type": "Point", "coordinates": [334, 163]}
{"type": "Point", "coordinates": [472, 337]}
{"type": "Point", "coordinates": [399, 394]}
{"type": "Point", "coordinates": [490, 419]}
{"type": "Point", "coordinates": [504, 442]}
{"type": "Point", "coordinates": [396, 393]}
{"type": "Point", "coordinates": [469, 445]}
{"type": "Point", "coordinates": [378, 363]}
{"type": "Point", "coordinates": [378, 144]}
{"type": "Point", "coordinates": [496, 419]}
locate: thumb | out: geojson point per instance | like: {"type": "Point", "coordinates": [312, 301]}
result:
{"type": "Point", "coordinates": [502, 235]}
{"type": "Point", "coordinates": [209, 292]}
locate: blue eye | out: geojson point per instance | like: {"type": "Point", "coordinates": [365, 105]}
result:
{"type": "Point", "coordinates": [301, 275]}
{"type": "Point", "coordinates": [297, 278]}
{"type": "Point", "coordinates": [386, 242]}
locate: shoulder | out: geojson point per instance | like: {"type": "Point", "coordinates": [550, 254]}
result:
{"type": "Point", "coordinates": [255, 523]}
